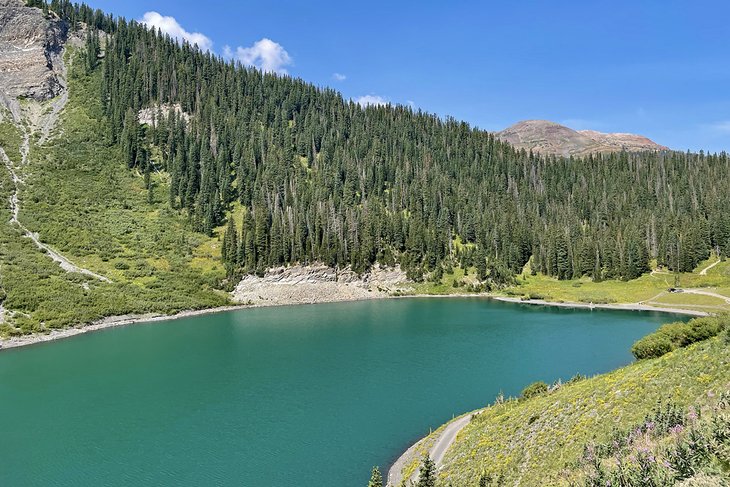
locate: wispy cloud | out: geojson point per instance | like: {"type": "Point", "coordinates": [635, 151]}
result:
{"type": "Point", "coordinates": [170, 26]}
{"type": "Point", "coordinates": [265, 54]}
{"type": "Point", "coordinates": [368, 100]}
{"type": "Point", "coordinates": [722, 127]}
{"type": "Point", "coordinates": [339, 77]}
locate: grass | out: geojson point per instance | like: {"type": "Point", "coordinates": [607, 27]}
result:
{"type": "Point", "coordinates": [10, 138]}
{"type": "Point", "coordinates": [83, 201]}
{"type": "Point", "coordinates": [687, 299]}
{"type": "Point", "coordinates": [539, 441]}
{"type": "Point", "coordinates": [648, 289]}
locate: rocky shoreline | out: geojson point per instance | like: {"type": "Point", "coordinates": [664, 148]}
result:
{"type": "Point", "coordinates": [295, 285]}
{"type": "Point", "coordinates": [618, 306]}
{"type": "Point", "coordinates": [319, 283]}
{"type": "Point", "coordinates": [282, 286]}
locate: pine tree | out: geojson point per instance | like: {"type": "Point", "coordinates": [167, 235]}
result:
{"type": "Point", "coordinates": [323, 179]}
{"type": "Point", "coordinates": [481, 265]}
{"type": "Point", "coordinates": [376, 480]}
{"type": "Point", "coordinates": [427, 473]}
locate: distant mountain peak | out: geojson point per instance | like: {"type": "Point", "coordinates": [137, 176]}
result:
{"type": "Point", "coordinates": [548, 137]}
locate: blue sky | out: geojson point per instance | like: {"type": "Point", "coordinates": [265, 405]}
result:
{"type": "Point", "coordinates": [657, 68]}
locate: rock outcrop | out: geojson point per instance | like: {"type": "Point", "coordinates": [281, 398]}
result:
{"type": "Point", "coordinates": [31, 46]}
{"type": "Point", "coordinates": [317, 283]}
{"type": "Point", "coordinates": [552, 138]}
{"type": "Point", "coordinates": [152, 115]}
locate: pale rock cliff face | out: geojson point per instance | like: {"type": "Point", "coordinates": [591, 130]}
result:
{"type": "Point", "coordinates": [31, 46]}
{"type": "Point", "coordinates": [152, 115]}
{"type": "Point", "coordinates": [318, 283]}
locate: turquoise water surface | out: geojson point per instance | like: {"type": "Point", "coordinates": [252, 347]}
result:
{"type": "Point", "coordinates": [303, 395]}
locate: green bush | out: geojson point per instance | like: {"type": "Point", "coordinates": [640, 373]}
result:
{"type": "Point", "coordinates": [534, 389]}
{"type": "Point", "coordinates": [654, 345]}
{"type": "Point", "coordinates": [679, 334]}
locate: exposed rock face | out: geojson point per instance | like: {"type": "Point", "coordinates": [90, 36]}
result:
{"type": "Point", "coordinates": [628, 142]}
{"type": "Point", "coordinates": [152, 115]}
{"type": "Point", "coordinates": [552, 138]}
{"type": "Point", "coordinates": [317, 283]}
{"type": "Point", "coordinates": [30, 52]}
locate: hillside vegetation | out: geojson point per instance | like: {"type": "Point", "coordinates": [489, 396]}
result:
{"type": "Point", "coordinates": [81, 199]}
{"type": "Point", "coordinates": [652, 423]}
{"type": "Point", "coordinates": [236, 171]}
{"type": "Point", "coordinates": [327, 180]}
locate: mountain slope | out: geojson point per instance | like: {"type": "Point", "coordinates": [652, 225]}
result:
{"type": "Point", "coordinates": [249, 171]}
{"type": "Point", "coordinates": [552, 138]}
{"type": "Point", "coordinates": [582, 427]}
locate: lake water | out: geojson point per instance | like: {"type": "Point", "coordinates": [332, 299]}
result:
{"type": "Point", "coordinates": [306, 395]}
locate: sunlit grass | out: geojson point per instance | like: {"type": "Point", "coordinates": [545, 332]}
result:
{"type": "Point", "coordinates": [539, 441]}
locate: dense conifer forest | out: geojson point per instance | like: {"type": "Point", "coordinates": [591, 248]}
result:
{"type": "Point", "coordinates": [324, 179]}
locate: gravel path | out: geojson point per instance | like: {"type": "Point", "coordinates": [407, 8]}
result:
{"type": "Point", "coordinates": [43, 123]}
{"type": "Point", "coordinates": [703, 272]}
{"type": "Point", "coordinates": [437, 451]}
{"type": "Point", "coordinates": [707, 293]}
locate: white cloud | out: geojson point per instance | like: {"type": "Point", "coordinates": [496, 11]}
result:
{"type": "Point", "coordinates": [411, 103]}
{"type": "Point", "coordinates": [722, 127]}
{"type": "Point", "coordinates": [170, 26]}
{"type": "Point", "coordinates": [339, 77]}
{"type": "Point", "coordinates": [374, 100]}
{"type": "Point", "coordinates": [265, 54]}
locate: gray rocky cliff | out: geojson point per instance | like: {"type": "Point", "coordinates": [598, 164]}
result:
{"type": "Point", "coordinates": [31, 47]}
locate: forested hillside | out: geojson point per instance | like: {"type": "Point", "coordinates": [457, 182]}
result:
{"type": "Point", "coordinates": [296, 173]}
{"type": "Point", "coordinates": [325, 179]}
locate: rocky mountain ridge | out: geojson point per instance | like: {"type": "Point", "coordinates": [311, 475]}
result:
{"type": "Point", "coordinates": [552, 138]}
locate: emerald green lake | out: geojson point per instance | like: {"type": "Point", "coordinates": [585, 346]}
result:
{"type": "Point", "coordinates": [304, 395]}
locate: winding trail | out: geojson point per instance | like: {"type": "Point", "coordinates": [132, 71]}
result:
{"type": "Point", "coordinates": [436, 452]}
{"type": "Point", "coordinates": [45, 125]}
{"type": "Point", "coordinates": [707, 293]}
{"type": "Point", "coordinates": [703, 272]}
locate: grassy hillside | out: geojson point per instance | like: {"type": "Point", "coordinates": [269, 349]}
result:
{"type": "Point", "coordinates": [83, 201]}
{"type": "Point", "coordinates": [650, 289]}
{"type": "Point", "coordinates": [555, 438]}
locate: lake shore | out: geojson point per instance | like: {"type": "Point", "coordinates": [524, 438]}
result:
{"type": "Point", "coordinates": [617, 306]}
{"type": "Point", "coordinates": [131, 319]}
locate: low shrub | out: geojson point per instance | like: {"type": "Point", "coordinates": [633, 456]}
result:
{"type": "Point", "coordinates": [654, 345]}
{"type": "Point", "coordinates": [679, 334]}
{"type": "Point", "coordinates": [535, 389]}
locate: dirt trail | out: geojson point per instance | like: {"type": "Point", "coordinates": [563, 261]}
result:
{"type": "Point", "coordinates": [45, 124]}
{"type": "Point", "coordinates": [707, 293]}
{"type": "Point", "coordinates": [436, 452]}
{"type": "Point", "coordinates": [703, 272]}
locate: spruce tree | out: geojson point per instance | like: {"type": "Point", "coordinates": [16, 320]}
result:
{"type": "Point", "coordinates": [427, 473]}
{"type": "Point", "coordinates": [376, 480]}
